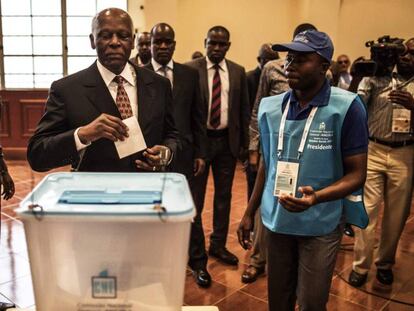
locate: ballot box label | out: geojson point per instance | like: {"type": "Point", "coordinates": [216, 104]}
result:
{"type": "Point", "coordinates": [103, 287]}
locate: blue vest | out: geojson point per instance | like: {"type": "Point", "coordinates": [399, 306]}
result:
{"type": "Point", "coordinates": [320, 166]}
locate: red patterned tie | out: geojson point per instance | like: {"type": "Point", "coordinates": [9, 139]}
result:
{"type": "Point", "coordinates": [215, 109]}
{"type": "Point", "coordinates": [122, 100]}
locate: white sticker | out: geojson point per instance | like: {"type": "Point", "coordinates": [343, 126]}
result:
{"type": "Point", "coordinates": [286, 178]}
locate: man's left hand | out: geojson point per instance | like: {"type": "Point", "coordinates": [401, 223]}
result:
{"type": "Point", "coordinates": [297, 205]}
{"type": "Point", "coordinates": [402, 98]}
{"type": "Point", "coordinates": [199, 166]}
{"type": "Point", "coordinates": [154, 159]}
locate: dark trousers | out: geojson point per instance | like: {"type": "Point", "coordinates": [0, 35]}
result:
{"type": "Point", "coordinates": [223, 165]}
{"type": "Point", "coordinates": [301, 266]}
{"type": "Point", "coordinates": [183, 161]}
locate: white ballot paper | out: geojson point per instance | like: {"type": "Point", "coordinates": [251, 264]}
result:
{"type": "Point", "coordinates": [134, 143]}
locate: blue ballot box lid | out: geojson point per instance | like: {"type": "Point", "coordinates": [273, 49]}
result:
{"type": "Point", "coordinates": [135, 195]}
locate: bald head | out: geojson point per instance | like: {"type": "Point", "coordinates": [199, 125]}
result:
{"type": "Point", "coordinates": [162, 43]}
{"type": "Point", "coordinates": [266, 54]}
{"type": "Point", "coordinates": [112, 37]}
{"type": "Point", "coordinates": [164, 28]}
{"type": "Point", "coordinates": [111, 13]}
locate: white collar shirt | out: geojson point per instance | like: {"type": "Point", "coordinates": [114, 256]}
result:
{"type": "Point", "coordinates": [225, 88]}
{"type": "Point", "coordinates": [158, 68]}
{"type": "Point", "coordinates": [130, 84]}
{"type": "Point", "coordinates": [130, 87]}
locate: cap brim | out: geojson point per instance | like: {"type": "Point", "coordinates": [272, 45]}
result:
{"type": "Point", "coordinates": [294, 46]}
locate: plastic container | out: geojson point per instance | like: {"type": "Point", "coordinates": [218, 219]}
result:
{"type": "Point", "coordinates": [108, 241]}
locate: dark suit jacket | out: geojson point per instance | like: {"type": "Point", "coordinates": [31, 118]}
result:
{"type": "Point", "coordinates": [253, 79]}
{"type": "Point", "coordinates": [77, 100]}
{"type": "Point", "coordinates": [239, 113]}
{"type": "Point", "coordinates": [190, 117]}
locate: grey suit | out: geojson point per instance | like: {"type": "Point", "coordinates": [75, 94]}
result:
{"type": "Point", "coordinates": [223, 148]}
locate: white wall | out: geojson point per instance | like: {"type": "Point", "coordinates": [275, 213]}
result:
{"type": "Point", "coordinates": [348, 22]}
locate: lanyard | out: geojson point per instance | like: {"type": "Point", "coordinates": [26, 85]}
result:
{"type": "Point", "coordinates": [305, 131]}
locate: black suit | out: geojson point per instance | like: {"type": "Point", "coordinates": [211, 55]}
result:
{"type": "Point", "coordinates": [253, 79]}
{"type": "Point", "coordinates": [223, 148]}
{"type": "Point", "coordinates": [77, 100]}
{"type": "Point", "coordinates": [190, 118]}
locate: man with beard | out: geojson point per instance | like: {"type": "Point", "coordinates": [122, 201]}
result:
{"type": "Point", "coordinates": [390, 105]}
{"type": "Point", "coordinates": [314, 142]}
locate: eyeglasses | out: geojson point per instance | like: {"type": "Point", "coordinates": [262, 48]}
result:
{"type": "Point", "coordinates": [343, 62]}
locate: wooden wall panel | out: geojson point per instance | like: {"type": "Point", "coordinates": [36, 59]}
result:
{"type": "Point", "coordinates": [5, 119]}
{"type": "Point", "coordinates": [31, 112]}
{"type": "Point", "coordinates": [22, 111]}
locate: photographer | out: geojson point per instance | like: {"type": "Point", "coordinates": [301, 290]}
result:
{"type": "Point", "coordinates": [390, 104]}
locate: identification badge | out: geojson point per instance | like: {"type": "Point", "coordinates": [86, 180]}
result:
{"type": "Point", "coordinates": [401, 120]}
{"type": "Point", "coordinates": [286, 178]}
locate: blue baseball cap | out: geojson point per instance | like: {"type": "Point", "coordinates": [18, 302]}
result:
{"type": "Point", "coordinates": [309, 41]}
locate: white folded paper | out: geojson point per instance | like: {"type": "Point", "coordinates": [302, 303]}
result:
{"type": "Point", "coordinates": [134, 143]}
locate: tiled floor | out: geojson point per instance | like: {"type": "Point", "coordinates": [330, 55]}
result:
{"type": "Point", "coordinates": [227, 291]}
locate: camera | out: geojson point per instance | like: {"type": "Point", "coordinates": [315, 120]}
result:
{"type": "Point", "coordinates": [384, 56]}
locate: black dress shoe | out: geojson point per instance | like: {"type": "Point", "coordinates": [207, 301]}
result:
{"type": "Point", "coordinates": [251, 273]}
{"type": "Point", "coordinates": [5, 306]}
{"type": "Point", "coordinates": [202, 277]}
{"type": "Point", "coordinates": [223, 255]}
{"type": "Point", "coordinates": [349, 231]}
{"type": "Point", "coordinates": [357, 279]}
{"type": "Point", "coordinates": [385, 276]}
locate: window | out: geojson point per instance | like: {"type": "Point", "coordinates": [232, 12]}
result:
{"type": "Point", "coordinates": [43, 40]}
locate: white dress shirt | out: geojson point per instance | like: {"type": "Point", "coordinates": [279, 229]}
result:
{"type": "Point", "coordinates": [130, 87]}
{"type": "Point", "coordinates": [158, 68]}
{"type": "Point", "coordinates": [225, 87]}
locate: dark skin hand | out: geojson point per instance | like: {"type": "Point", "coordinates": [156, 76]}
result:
{"type": "Point", "coordinates": [247, 222]}
{"type": "Point", "coordinates": [402, 98]}
{"type": "Point", "coordinates": [153, 158]}
{"type": "Point", "coordinates": [104, 126]}
{"type": "Point", "coordinates": [7, 186]}
{"type": "Point", "coordinates": [199, 166]}
{"type": "Point", "coordinates": [297, 205]}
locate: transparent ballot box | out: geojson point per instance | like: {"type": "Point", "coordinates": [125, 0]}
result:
{"type": "Point", "coordinates": [108, 241]}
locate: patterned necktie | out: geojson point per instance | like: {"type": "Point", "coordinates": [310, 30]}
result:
{"type": "Point", "coordinates": [215, 109]}
{"type": "Point", "coordinates": [122, 99]}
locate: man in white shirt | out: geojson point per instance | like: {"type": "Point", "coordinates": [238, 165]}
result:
{"type": "Point", "coordinates": [224, 93]}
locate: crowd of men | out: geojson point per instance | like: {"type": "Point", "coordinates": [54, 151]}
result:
{"type": "Point", "coordinates": [304, 144]}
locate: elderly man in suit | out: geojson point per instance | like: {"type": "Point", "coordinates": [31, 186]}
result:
{"type": "Point", "coordinates": [85, 111]}
{"type": "Point", "coordinates": [224, 93]}
{"type": "Point", "coordinates": [190, 118]}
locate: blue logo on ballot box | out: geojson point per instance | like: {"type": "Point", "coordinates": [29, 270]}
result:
{"type": "Point", "coordinates": [104, 286]}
